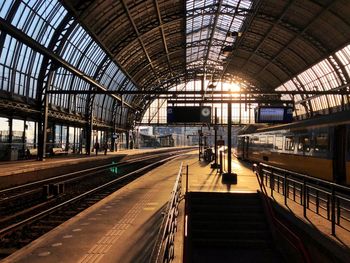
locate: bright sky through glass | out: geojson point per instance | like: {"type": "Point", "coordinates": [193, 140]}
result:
{"type": "Point", "coordinates": [207, 25]}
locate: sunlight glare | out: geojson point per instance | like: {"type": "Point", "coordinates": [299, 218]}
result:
{"type": "Point", "coordinates": [235, 87]}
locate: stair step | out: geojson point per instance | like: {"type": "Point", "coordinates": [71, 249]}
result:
{"type": "Point", "coordinates": [217, 225]}
{"type": "Point", "coordinates": [230, 234]}
{"type": "Point", "coordinates": [216, 195]}
{"type": "Point", "coordinates": [260, 255]}
{"type": "Point", "coordinates": [228, 200]}
{"type": "Point", "coordinates": [232, 244]}
{"type": "Point", "coordinates": [228, 216]}
{"type": "Point", "coordinates": [223, 209]}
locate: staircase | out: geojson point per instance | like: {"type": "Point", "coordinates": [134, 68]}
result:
{"type": "Point", "coordinates": [228, 227]}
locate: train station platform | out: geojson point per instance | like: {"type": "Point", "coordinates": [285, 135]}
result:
{"type": "Point", "coordinates": [123, 227]}
{"type": "Point", "coordinates": [19, 172]}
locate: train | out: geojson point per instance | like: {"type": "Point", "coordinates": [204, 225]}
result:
{"type": "Point", "coordinates": [318, 147]}
{"type": "Point", "coordinates": [167, 140]}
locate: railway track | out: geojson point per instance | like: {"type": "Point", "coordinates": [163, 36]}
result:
{"type": "Point", "coordinates": [53, 201]}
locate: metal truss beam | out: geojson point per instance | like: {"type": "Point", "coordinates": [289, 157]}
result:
{"type": "Point", "coordinates": [187, 124]}
{"type": "Point", "coordinates": [339, 91]}
{"type": "Point", "coordinates": [23, 109]}
{"type": "Point", "coordinates": [212, 33]}
{"type": "Point", "coordinates": [219, 101]}
{"type": "Point", "coordinates": [267, 57]}
{"type": "Point", "coordinates": [225, 10]}
{"type": "Point", "coordinates": [163, 34]}
{"type": "Point", "coordinates": [212, 9]}
{"type": "Point", "coordinates": [16, 33]}
{"type": "Point", "coordinates": [246, 25]}
{"type": "Point", "coordinates": [138, 34]}
{"type": "Point", "coordinates": [268, 33]}
{"type": "Point", "coordinates": [296, 36]}
{"type": "Point", "coordinates": [204, 42]}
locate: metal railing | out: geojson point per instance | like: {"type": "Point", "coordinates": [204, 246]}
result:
{"type": "Point", "coordinates": [288, 234]}
{"type": "Point", "coordinates": [327, 199]}
{"type": "Point", "coordinates": [164, 249]}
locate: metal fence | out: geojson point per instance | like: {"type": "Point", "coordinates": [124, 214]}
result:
{"type": "Point", "coordinates": [327, 199]}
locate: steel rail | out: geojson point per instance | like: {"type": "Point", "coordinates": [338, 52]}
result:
{"type": "Point", "coordinates": [94, 169]}
{"type": "Point", "coordinates": [77, 198]}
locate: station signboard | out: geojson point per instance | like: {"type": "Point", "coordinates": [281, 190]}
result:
{"type": "Point", "coordinates": [193, 114]}
{"type": "Point", "coordinates": [272, 114]}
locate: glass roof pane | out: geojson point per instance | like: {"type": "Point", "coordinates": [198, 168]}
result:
{"type": "Point", "coordinates": [207, 25]}
{"type": "Point", "coordinates": [344, 57]}
{"type": "Point", "coordinates": [321, 76]}
{"type": "Point", "coordinates": [38, 19]}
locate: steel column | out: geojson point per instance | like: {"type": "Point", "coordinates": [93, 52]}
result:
{"type": "Point", "coordinates": [229, 177]}
{"type": "Point", "coordinates": [42, 124]}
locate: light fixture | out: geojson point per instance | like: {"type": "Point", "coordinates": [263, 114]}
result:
{"type": "Point", "coordinates": [234, 34]}
{"type": "Point", "coordinates": [226, 51]}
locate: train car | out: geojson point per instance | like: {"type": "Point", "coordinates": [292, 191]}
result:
{"type": "Point", "coordinates": [318, 147]}
{"type": "Point", "coordinates": [148, 141]}
{"type": "Point", "coordinates": [166, 140]}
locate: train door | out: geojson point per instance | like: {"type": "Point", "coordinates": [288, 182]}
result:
{"type": "Point", "coordinates": [339, 151]}
{"type": "Point", "coordinates": [245, 147]}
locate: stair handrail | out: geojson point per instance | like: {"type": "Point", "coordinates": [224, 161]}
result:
{"type": "Point", "coordinates": [335, 192]}
{"type": "Point", "coordinates": [298, 244]}
{"type": "Point", "coordinates": [319, 181]}
{"type": "Point", "coordinates": [163, 251]}
{"type": "Point", "coordinates": [187, 251]}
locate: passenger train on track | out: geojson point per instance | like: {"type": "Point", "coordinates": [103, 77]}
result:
{"type": "Point", "coordinates": [318, 147]}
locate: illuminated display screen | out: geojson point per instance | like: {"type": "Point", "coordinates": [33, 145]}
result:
{"type": "Point", "coordinates": [273, 114]}
{"type": "Point", "coordinates": [191, 114]}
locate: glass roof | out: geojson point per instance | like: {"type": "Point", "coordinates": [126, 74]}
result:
{"type": "Point", "coordinates": [211, 25]}
{"type": "Point", "coordinates": [323, 76]}
{"type": "Point", "coordinates": [20, 65]}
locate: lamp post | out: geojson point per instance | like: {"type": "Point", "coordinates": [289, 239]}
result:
{"type": "Point", "coordinates": [215, 165]}
{"type": "Point", "coordinates": [229, 176]}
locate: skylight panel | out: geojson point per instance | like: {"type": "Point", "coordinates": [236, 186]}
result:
{"type": "Point", "coordinates": [210, 21]}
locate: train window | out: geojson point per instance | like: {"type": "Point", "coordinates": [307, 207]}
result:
{"type": "Point", "coordinates": [255, 141]}
{"type": "Point", "coordinates": [289, 143]}
{"type": "Point", "coordinates": [321, 142]}
{"type": "Point", "coordinates": [263, 141]}
{"type": "Point", "coordinates": [269, 142]}
{"type": "Point", "coordinates": [304, 143]}
{"type": "Point", "coordinates": [279, 142]}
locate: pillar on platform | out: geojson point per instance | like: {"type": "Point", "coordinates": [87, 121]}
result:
{"type": "Point", "coordinates": [229, 176]}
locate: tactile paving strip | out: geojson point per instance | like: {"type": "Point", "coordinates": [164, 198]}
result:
{"type": "Point", "coordinates": [102, 246]}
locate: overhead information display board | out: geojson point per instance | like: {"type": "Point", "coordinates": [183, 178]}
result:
{"type": "Point", "coordinates": [193, 114]}
{"type": "Point", "coordinates": [269, 114]}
